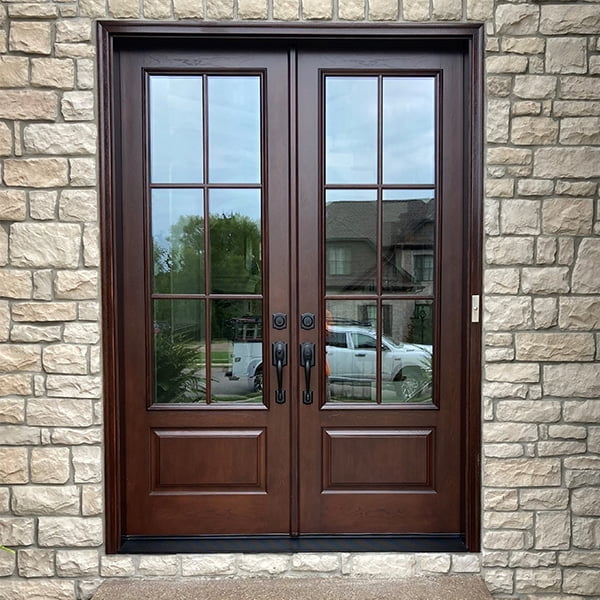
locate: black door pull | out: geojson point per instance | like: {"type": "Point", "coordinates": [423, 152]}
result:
{"type": "Point", "coordinates": [307, 360]}
{"type": "Point", "coordinates": [279, 359]}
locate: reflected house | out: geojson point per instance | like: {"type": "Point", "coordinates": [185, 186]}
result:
{"type": "Point", "coordinates": [408, 233]}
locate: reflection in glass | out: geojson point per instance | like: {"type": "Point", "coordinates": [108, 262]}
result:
{"type": "Point", "coordinates": [351, 241]}
{"type": "Point", "coordinates": [351, 350]}
{"type": "Point", "coordinates": [408, 241]}
{"type": "Point", "coordinates": [179, 351]}
{"type": "Point", "coordinates": [408, 130]}
{"type": "Point", "coordinates": [350, 130]}
{"type": "Point", "coordinates": [410, 345]}
{"type": "Point", "coordinates": [236, 351]}
{"type": "Point", "coordinates": [235, 241]}
{"type": "Point", "coordinates": [178, 241]}
{"type": "Point", "coordinates": [176, 129]}
{"type": "Point", "coordinates": [234, 129]}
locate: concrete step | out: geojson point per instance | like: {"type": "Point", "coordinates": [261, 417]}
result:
{"type": "Point", "coordinates": [421, 588]}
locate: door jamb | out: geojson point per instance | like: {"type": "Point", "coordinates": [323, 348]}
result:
{"type": "Point", "coordinates": [111, 35]}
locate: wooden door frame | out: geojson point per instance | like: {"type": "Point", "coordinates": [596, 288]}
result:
{"type": "Point", "coordinates": [115, 35]}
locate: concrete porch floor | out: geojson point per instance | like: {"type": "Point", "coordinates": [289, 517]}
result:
{"type": "Point", "coordinates": [421, 588]}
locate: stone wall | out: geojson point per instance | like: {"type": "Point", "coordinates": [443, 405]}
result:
{"type": "Point", "coordinates": [541, 431]}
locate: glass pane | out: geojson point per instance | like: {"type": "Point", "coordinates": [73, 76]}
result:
{"type": "Point", "coordinates": [407, 351]}
{"type": "Point", "coordinates": [350, 130]}
{"type": "Point", "coordinates": [351, 241]}
{"type": "Point", "coordinates": [235, 241]}
{"type": "Point", "coordinates": [178, 241]}
{"type": "Point", "coordinates": [176, 129]}
{"type": "Point", "coordinates": [179, 351]}
{"type": "Point", "coordinates": [236, 351]}
{"type": "Point", "coordinates": [408, 241]}
{"type": "Point", "coordinates": [408, 130]}
{"type": "Point", "coordinates": [351, 350]}
{"type": "Point", "coordinates": [234, 129]}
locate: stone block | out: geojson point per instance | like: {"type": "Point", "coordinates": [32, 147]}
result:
{"type": "Point", "coordinates": [158, 565]}
{"type": "Point", "coordinates": [510, 432]}
{"type": "Point", "coordinates": [560, 448]}
{"type": "Point", "coordinates": [315, 562]}
{"type": "Point", "coordinates": [14, 71]}
{"type": "Point", "coordinates": [545, 313]}
{"type": "Point", "coordinates": [92, 500]}
{"type": "Point", "coordinates": [447, 10]}
{"type": "Point", "coordinates": [579, 312]}
{"type": "Point", "coordinates": [42, 205]}
{"type": "Point", "coordinates": [499, 499]}
{"type": "Point", "coordinates": [27, 10]}
{"type": "Point", "coordinates": [86, 73]}
{"type": "Point", "coordinates": [33, 500]}
{"type": "Point", "coordinates": [566, 55]}
{"type": "Point", "coordinates": [506, 63]}
{"type": "Point", "coordinates": [74, 30]}
{"type": "Point", "coordinates": [76, 285]}
{"type": "Point", "coordinates": [517, 19]}
{"type": "Point", "coordinates": [35, 563]}
{"type": "Point", "coordinates": [508, 520]}
{"type": "Point", "coordinates": [571, 18]}
{"type": "Point", "coordinates": [117, 566]}
{"type": "Point", "coordinates": [77, 563]}
{"type": "Point", "coordinates": [543, 499]}
{"type": "Point", "coordinates": [32, 37]}
{"type": "Point", "coordinates": [50, 465]}
{"type": "Point", "coordinates": [69, 531]}
{"type": "Point", "coordinates": [19, 435]}
{"type": "Point", "coordinates": [509, 250]}
{"type": "Point", "coordinates": [221, 10]}
{"type": "Point", "coordinates": [74, 386]}
{"type": "Point", "coordinates": [182, 9]}
{"type": "Point", "coordinates": [13, 466]}
{"type": "Point", "coordinates": [264, 564]}
{"type": "Point", "coordinates": [554, 347]}
{"type": "Point", "coordinates": [56, 245]}
{"type": "Point", "coordinates": [65, 358]}
{"type": "Point", "coordinates": [252, 9]}
{"type": "Point", "coordinates": [580, 131]}
{"type": "Point", "coordinates": [4, 320]}
{"type": "Point", "coordinates": [91, 245]}
{"type": "Point", "coordinates": [87, 464]}
{"type": "Point", "coordinates": [579, 87]}
{"type": "Point", "coordinates": [552, 530]}
{"type": "Point", "coordinates": [586, 501]}
{"type": "Point", "coordinates": [351, 10]}
{"type": "Point", "coordinates": [509, 156]}
{"type": "Point", "coordinates": [535, 86]}
{"type": "Point", "coordinates": [16, 531]}
{"type": "Point", "coordinates": [504, 540]}
{"type": "Point", "coordinates": [581, 581]}
{"type": "Point", "coordinates": [513, 372]}
{"type": "Point", "coordinates": [57, 412]}
{"type": "Point", "coordinates": [576, 108]}
{"type": "Point", "coordinates": [523, 45]}
{"type": "Point", "coordinates": [585, 279]}
{"type": "Point", "coordinates": [534, 131]}
{"type": "Point", "coordinates": [12, 411]}
{"type": "Point", "coordinates": [285, 10]}
{"type": "Point", "coordinates": [208, 565]}
{"type": "Point", "coordinates": [53, 72]}
{"type": "Point", "coordinates": [499, 581]}
{"type": "Point", "coordinates": [14, 357]}
{"type": "Point", "coordinates": [12, 205]}
{"type": "Point", "coordinates": [123, 9]}
{"type": "Point", "coordinates": [568, 215]}
{"type": "Point", "coordinates": [35, 333]}
{"type": "Point", "coordinates": [545, 250]}
{"type": "Point", "coordinates": [15, 284]}
{"type": "Point", "coordinates": [466, 563]}
{"type": "Point", "coordinates": [78, 205]}
{"type": "Point", "coordinates": [382, 564]}
{"type": "Point", "coordinates": [545, 280]}
{"type": "Point", "coordinates": [520, 217]}
{"type": "Point", "coordinates": [77, 106]}
{"type": "Point", "coordinates": [498, 120]}
{"type": "Point", "coordinates": [501, 281]}
{"type": "Point", "coordinates": [572, 380]}
{"type": "Point", "coordinates": [522, 472]}
{"type": "Point", "coordinates": [37, 590]}
{"type": "Point", "coordinates": [81, 333]}
{"type": "Point", "coordinates": [75, 437]}
{"type": "Point", "coordinates": [507, 312]}
{"type": "Point", "coordinates": [6, 140]}
{"type": "Point", "coordinates": [60, 138]}
{"type": "Point", "coordinates": [35, 172]}
{"type": "Point", "coordinates": [382, 10]}
{"type": "Point", "coordinates": [417, 10]}
{"type": "Point", "coordinates": [579, 559]}
{"type": "Point", "coordinates": [499, 188]}
{"type": "Point", "coordinates": [44, 311]}
{"type": "Point", "coordinates": [17, 385]}
{"type": "Point", "coordinates": [82, 171]}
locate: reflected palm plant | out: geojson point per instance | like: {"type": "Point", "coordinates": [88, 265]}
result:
{"type": "Point", "coordinates": [177, 370]}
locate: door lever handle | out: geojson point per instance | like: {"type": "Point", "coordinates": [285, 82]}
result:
{"type": "Point", "coordinates": [307, 360]}
{"type": "Point", "coordinates": [279, 360]}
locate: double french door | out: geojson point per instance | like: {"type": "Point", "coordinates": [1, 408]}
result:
{"type": "Point", "coordinates": [291, 232]}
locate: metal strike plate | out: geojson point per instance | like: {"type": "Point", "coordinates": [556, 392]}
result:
{"type": "Point", "coordinates": [475, 308]}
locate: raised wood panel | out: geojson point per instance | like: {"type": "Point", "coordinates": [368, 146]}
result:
{"type": "Point", "coordinates": [378, 459]}
{"type": "Point", "coordinates": [209, 460]}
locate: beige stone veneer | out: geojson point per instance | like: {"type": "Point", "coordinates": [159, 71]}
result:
{"type": "Point", "coordinates": [541, 429]}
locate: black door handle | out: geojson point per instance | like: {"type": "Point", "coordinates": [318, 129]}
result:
{"type": "Point", "coordinates": [279, 359]}
{"type": "Point", "coordinates": [307, 360]}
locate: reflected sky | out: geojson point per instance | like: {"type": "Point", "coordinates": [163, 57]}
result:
{"type": "Point", "coordinates": [232, 202]}
{"type": "Point", "coordinates": [168, 207]}
{"type": "Point", "coordinates": [350, 195]}
{"type": "Point", "coordinates": [234, 129]}
{"type": "Point", "coordinates": [408, 130]}
{"type": "Point", "coordinates": [408, 194]}
{"type": "Point", "coordinates": [176, 129]}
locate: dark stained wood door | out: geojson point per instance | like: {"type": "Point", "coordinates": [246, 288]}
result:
{"type": "Point", "coordinates": [310, 199]}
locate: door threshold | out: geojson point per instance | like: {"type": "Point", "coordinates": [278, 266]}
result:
{"type": "Point", "coordinates": [144, 544]}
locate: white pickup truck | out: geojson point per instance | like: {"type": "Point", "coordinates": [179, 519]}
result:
{"type": "Point", "coordinates": [352, 360]}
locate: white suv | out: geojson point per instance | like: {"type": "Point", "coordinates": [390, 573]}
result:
{"type": "Point", "coordinates": [352, 359]}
